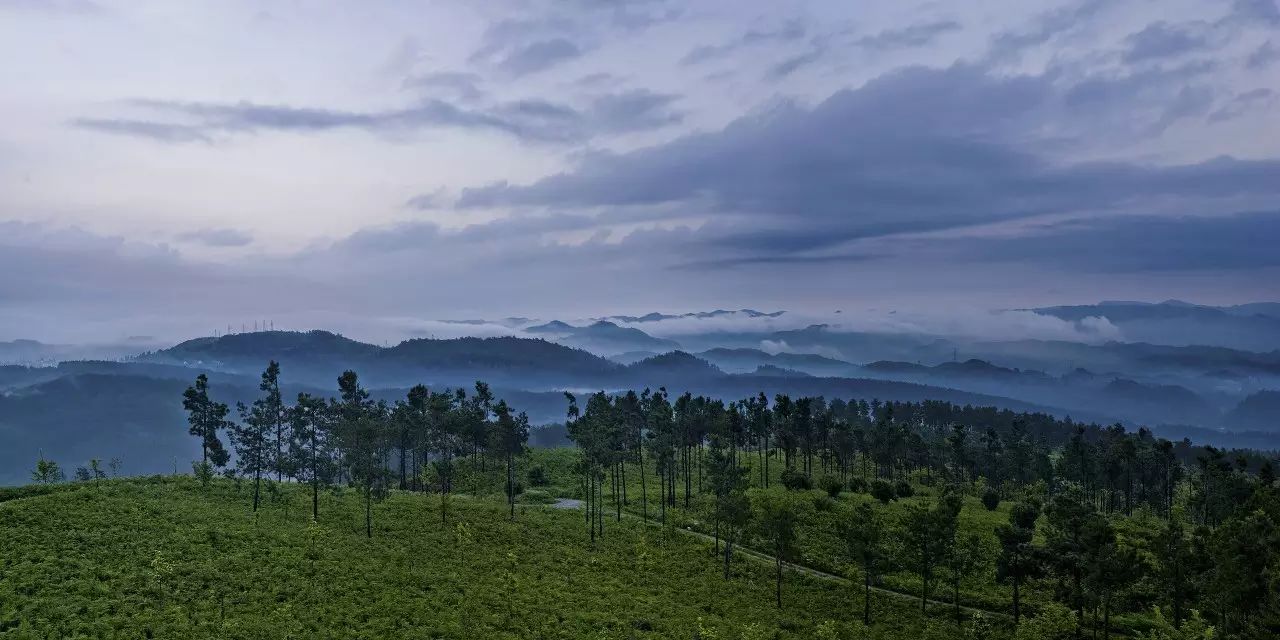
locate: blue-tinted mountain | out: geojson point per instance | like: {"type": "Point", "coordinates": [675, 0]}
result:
{"type": "Point", "coordinates": [771, 371]}
{"type": "Point", "coordinates": [603, 337]}
{"type": "Point", "coordinates": [1259, 411]}
{"type": "Point", "coordinates": [746, 359]}
{"type": "Point", "coordinates": [655, 317]}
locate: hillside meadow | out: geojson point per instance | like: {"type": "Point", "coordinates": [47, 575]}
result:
{"type": "Point", "coordinates": [172, 558]}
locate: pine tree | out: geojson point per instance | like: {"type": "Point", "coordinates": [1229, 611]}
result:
{"type": "Point", "coordinates": [362, 429]}
{"type": "Point", "coordinates": [864, 536]}
{"type": "Point", "coordinates": [1018, 559]}
{"type": "Point", "coordinates": [206, 418]}
{"type": "Point", "coordinates": [510, 435]}
{"type": "Point", "coordinates": [251, 438]}
{"type": "Point", "coordinates": [967, 557]}
{"type": "Point", "coordinates": [775, 522]}
{"type": "Point", "coordinates": [310, 447]}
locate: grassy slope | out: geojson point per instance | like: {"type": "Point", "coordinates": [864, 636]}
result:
{"type": "Point", "coordinates": [168, 558]}
{"type": "Point", "coordinates": [818, 542]}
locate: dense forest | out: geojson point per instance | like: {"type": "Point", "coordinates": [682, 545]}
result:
{"type": "Point", "coordinates": [1000, 523]}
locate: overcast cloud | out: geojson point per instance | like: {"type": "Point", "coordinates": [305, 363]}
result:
{"type": "Point", "coordinates": [377, 171]}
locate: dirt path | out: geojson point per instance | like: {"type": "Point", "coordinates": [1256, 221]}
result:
{"type": "Point", "coordinates": [569, 503]}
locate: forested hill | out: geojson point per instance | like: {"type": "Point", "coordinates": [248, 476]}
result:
{"type": "Point", "coordinates": [318, 357]}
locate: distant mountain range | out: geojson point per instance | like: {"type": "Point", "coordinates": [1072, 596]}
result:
{"type": "Point", "coordinates": [77, 403]}
{"type": "Point", "coordinates": [602, 337]}
{"type": "Point", "coordinates": [1254, 327]}
{"type": "Point", "coordinates": [718, 313]}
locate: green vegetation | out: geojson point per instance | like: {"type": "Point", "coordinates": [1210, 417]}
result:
{"type": "Point", "coordinates": [845, 519]}
{"type": "Point", "coordinates": [172, 558]}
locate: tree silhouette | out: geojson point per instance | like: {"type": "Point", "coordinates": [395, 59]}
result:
{"type": "Point", "coordinates": [206, 418]}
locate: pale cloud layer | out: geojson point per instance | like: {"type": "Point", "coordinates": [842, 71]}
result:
{"type": "Point", "coordinates": [170, 169]}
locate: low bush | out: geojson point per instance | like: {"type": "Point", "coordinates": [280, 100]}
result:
{"type": "Point", "coordinates": [991, 499]}
{"type": "Point", "coordinates": [832, 486]}
{"type": "Point", "coordinates": [795, 481]}
{"type": "Point", "coordinates": [883, 491]}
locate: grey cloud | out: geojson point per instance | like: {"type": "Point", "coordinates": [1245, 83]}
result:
{"type": "Point", "coordinates": [1103, 90]}
{"type": "Point", "coordinates": [634, 110]}
{"type": "Point", "coordinates": [531, 119]}
{"type": "Point", "coordinates": [539, 56]}
{"type": "Point", "coordinates": [1010, 44]}
{"type": "Point", "coordinates": [1242, 104]}
{"type": "Point", "coordinates": [878, 160]}
{"type": "Point", "coordinates": [1263, 56]}
{"type": "Point", "coordinates": [596, 80]}
{"type": "Point", "coordinates": [548, 34]}
{"type": "Point", "coordinates": [916, 35]}
{"type": "Point", "coordinates": [794, 63]}
{"type": "Point", "coordinates": [1131, 244]}
{"type": "Point", "coordinates": [1163, 40]}
{"type": "Point", "coordinates": [464, 86]}
{"type": "Point", "coordinates": [217, 237]}
{"type": "Point", "coordinates": [1190, 102]}
{"type": "Point", "coordinates": [1264, 11]}
{"type": "Point", "coordinates": [157, 131]}
{"type": "Point", "coordinates": [790, 31]}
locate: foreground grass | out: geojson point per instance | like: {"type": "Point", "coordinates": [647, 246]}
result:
{"type": "Point", "coordinates": [168, 558]}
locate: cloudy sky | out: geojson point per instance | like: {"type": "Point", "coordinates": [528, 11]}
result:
{"type": "Point", "coordinates": [167, 168]}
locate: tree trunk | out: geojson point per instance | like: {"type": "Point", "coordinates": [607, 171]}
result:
{"type": "Point", "coordinates": [778, 587]}
{"type": "Point", "coordinates": [368, 510]}
{"type": "Point", "coordinates": [1106, 617]}
{"type": "Point", "coordinates": [404, 479]}
{"type": "Point", "coordinates": [924, 587]}
{"type": "Point", "coordinates": [955, 596]}
{"type": "Point", "coordinates": [644, 491]}
{"type": "Point", "coordinates": [257, 481]}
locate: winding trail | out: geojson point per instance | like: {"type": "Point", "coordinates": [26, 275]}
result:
{"type": "Point", "coordinates": [569, 503]}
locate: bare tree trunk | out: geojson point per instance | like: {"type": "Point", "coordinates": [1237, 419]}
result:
{"type": "Point", "coordinates": [778, 582]}
{"type": "Point", "coordinates": [644, 492]}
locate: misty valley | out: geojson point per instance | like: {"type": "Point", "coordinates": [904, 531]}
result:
{"type": "Point", "coordinates": [813, 482]}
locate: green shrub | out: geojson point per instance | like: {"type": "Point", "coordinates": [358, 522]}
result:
{"type": "Point", "coordinates": [903, 489]}
{"type": "Point", "coordinates": [538, 476]}
{"type": "Point", "coordinates": [795, 481]}
{"type": "Point", "coordinates": [1055, 622]}
{"type": "Point", "coordinates": [882, 491]}
{"type": "Point", "coordinates": [832, 486]}
{"type": "Point", "coordinates": [537, 496]}
{"type": "Point", "coordinates": [991, 499]}
{"type": "Point", "coordinates": [822, 503]}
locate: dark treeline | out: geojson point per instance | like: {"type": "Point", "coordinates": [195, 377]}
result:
{"type": "Point", "coordinates": [352, 440]}
{"type": "Point", "coordinates": [1213, 550]}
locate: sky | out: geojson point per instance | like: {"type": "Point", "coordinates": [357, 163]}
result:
{"type": "Point", "coordinates": [169, 169]}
